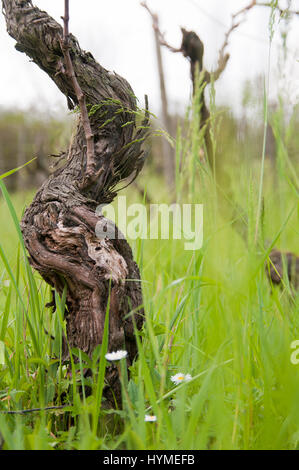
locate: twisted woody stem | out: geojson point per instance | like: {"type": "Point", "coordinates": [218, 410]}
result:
{"type": "Point", "coordinates": [60, 226]}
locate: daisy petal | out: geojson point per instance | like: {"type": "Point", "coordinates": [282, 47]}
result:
{"type": "Point", "coordinates": [150, 419]}
{"type": "Point", "coordinates": [116, 355]}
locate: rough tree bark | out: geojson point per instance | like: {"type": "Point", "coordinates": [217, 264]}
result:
{"type": "Point", "coordinates": [275, 268]}
{"type": "Point", "coordinates": [59, 226]}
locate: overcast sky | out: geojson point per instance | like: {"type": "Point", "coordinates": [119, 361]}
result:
{"type": "Point", "coordinates": [119, 35]}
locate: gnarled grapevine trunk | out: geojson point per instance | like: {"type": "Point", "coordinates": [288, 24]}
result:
{"type": "Point", "coordinates": [59, 226]}
{"type": "Point", "coordinates": [193, 48]}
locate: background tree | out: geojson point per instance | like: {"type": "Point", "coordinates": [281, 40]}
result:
{"type": "Point", "coordinates": [193, 49]}
{"type": "Point", "coordinates": [59, 226]}
{"type": "Point", "coordinates": [167, 152]}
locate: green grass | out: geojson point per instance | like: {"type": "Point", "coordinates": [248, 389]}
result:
{"type": "Point", "coordinates": [211, 313]}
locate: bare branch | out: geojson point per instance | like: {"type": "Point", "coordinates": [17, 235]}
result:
{"type": "Point", "coordinates": [31, 410]}
{"type": "Point", "coordinates": [168, 157]}
{"type": "Point", "coordinates": [90, 172]}
{"type": "Point", "coordinates": [156, 27]}
{"type": "Point", "coordinates": [163, 42]}
{"type": "Point", "coordinates": [245, 9]}
{"type": "Point", "coordinates": [223, 58]}
{"type": "Point", "coordinates": [282, 11]}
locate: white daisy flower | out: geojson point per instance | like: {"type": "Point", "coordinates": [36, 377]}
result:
{"type": "Point", "coordinates": [180, 378]}
{"type": "Point", "coordinates": [116, 355]}
{"type": "Point", "coordinates": [150, 419]}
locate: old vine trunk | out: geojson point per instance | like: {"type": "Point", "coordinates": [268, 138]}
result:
{"type": "Point", "coordinates": [59, 226]}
